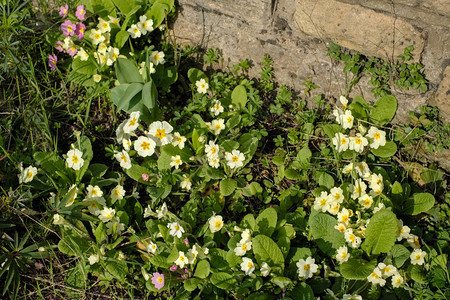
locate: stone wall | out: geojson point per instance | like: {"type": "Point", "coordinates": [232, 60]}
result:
{"type": "Point", "coordinates": [296, 32]}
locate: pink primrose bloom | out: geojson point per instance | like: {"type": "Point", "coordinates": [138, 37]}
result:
{"type": "Point", "coordinates": [173, 268]}
{"type": "Point", "coordinates": [59, 47]}
{"type": "Point", "coordinates": [158, 280]}
{"type": "Point", "coordinates": [81, 12]}
{"type": "Point", "coordinates": [68, 28]}
{"type": "Point", "coordinates": [145, 177]}
{"type": "Point", "coordinates": [63, 11]}
{"type": "Point", "coordinates": [52, 59]}
{"type": "Point", "coordinates": [186, 241]}
{"type": "Point", "coordinates": [72, 51]}
{"type": "Point", "coordinates": [79, 31]}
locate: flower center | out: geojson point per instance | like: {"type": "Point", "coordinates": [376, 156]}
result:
{"type": "Point", "coordinates": [156, 57]}
{"type": "Point", "coordinates": [343, 141]}
{"type": "Point", "coordinates": [306, 267]}
{"type": "Point", "coordinates": [213, 150]}
{"type": "Point", "coordinates": [349, 120]}
{"type": "Point", "coordinates": [250, 265]}
{"type": "Point", "coordinates": [160, 279]}
{"type": "Point", "coordinates": [160, 133]}
{"type": "Point", "coordinates": [218, 126]}
{"type": "Point", "coordinates": [177, 227]}
{"type": "Point", "coordinates": [323, 202]}
{"type": "Point", "coordinates": [377, 136]}
{"type": "Point", "coordinates": [337, 196]}
{"type": "Point", "coordinates": [358, 141]}
{"type": "Point", "coordinates": [374, 275]}
{"type": "Point", "coordinates": [30, 174]}
{"type": "Point", "coordinates": [75, 159]}
{"type": "Point", "coordinates": [344, 255]}
{"type": "Point", "coordinates": [117, 192]}
{"type": "Point", "coordinates": [218, 224]}
{"type": "Point", "coordinates": [145, 146]}
{"type": "Point", "coordinates": [235, 158]}
{"type": "Point", "coordinates": [69, 28]}
{"type": "Point", "coordinates": [97, 36]}
{"type": "Point", "coordinates": [418, 256]}
{"type": "Point", "coordinates": [244, 247]}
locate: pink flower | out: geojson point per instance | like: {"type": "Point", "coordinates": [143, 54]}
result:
{"type": "Point", "coordinates": [68, 28]}
{"type": "Point", "coordinates": [186, 241]}
{"type": "Point", "coordinates": [81, 13]}
{"type": "Point", "coordinates": [145, 177]}
{"type": "Point", "coordinates": [72, 50]}
{"type": "Point", "coordinates": [158, 280]}
{"type": "Point", "coordinates": [59, 47]}
{"type": "Point", "coordinates": [52, 59]}
{"type": "Point", "coordinates": [79, 31]}
{"type": "Point", "coordinates": [63, 11]}
{"type": "Point", "coordinates": [173, 268]}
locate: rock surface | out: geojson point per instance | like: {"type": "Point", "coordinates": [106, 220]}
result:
{"type": "Point", "coordinates": [296, 32]}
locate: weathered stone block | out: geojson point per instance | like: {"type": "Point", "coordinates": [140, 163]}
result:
{"type": "Point", "coordinates": [353, 26]}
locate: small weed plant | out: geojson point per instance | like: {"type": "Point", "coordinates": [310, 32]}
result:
{"type": "Point", "coordinates": [227, 193]}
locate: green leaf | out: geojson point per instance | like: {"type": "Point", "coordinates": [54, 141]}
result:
{"type": "Point", "coordinates": [239, 96]}
{"type": "Point", "coordinates": [158, 13]}
{"type": "Point", "coordinates": [121, 38]}
{"type": "Point", "coordinates": [84, 67]}
{"type": "Point", "coordinates": [266, 250]}
{"type": "Point", "coordinates": [167, 77]}
{"type": "Point", "coordinates": [218, 258]}
{"type": "Point", "coordinates": [292, 174]}
{"type": "Point", "coordinates": [100, 233]}
{"type": "Point", "coordinates": [267, 221]}
{"type": "Point", "coordinates": [326, 180]}
{"type": "Point", "coordinates": [51, 163]}
{"type": "Point", "coordinates": [278, 160]}
{"type": "Point", "coordinates": [127, 96]}
{"type": "Point", "coordinates": [381, 232]}
{"type": "Point", "coordinates": [419, 203]}
{"type": "Point", "coordinates": [331, 130]}
{"type": "Point", "coordinates": [302, 291]}
{"type": "Point", "coordinates": [223, 280]}
{"type": "Point", "coordinates": [385, 151]}
{"type": "Point", "coordinates": [136, 171]}
{"type": "Point", "coordinates": [127, 72]}
{"type": "Point", "coordinates": [248, 146]}
{"type": "Point", "coordinates": [357, 269]}
{"type": "Point", "coordinates": [359, 108]}
{"type": "Point", "coordinates": [116, 268]}
{"type": "Point", "coordinates": [327, 237]}
{"type": "Point", "coordinates": [160, 261]}
{"type": "Point", "coordinates": [399, 255]}
{"type": "Point", "coordinates": [98, 170]}
{"type": "Point", "coordinates": [195, 75]}
{"type": "Point", "coordinates": [249, 222]}
{"type": "Point", "coordinates": [191, 284]}
{"type": "Point", "coordinates": [227, 186]}
{"type": "Point", "coordinates": [75, 278]}
{"type": "Point", "coordinates": [230, 145]}
{"type": "Point", "coordinates": [233, 121]}
{"type": "Point", "coordinates": [149, 95]}
{"type": "Point", "coordinates": [252, 189]}
{"type": "Point", "coordinates": [125, 6]}
{"type": "Point", "coordinates": [417, 273]}
{"type": "Point", "coordinates": [202, 270]}
{"type": "Point", "coordinates": [282, 282]}
{"type": "Point", "coordinates": [383, 111]}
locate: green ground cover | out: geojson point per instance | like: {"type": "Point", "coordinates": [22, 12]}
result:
{"type": "Point", "coordinates": [136, 167]}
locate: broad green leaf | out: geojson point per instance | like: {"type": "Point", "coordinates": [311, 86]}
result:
{"type": "Point", "coordinates": [88, 154]}
{"type": "Point", "coordinates": [381, 233]}
{"type": "Point", "coordinates": [160, 261]}
{"type": "Point", "coordinates": [121, 38]}
{"type": "Point", "coordinates": [267, 221]}
{"type": "Point", "coordinates": [359, 108]}
{"type": "Point", "coordinates": [233, 121]}
{"type": "Point", "coordinates": [191, 284]}
{"type": "Point", "coordinates": [166, 77]}
{"type": "Point", "coordinates": [227, 186]}
{"type": "Point", "coordinates": [357, 269]}
{"type": "Point", "coordinates": [233, 260]}
{"type": "Point", "coordinates": [75, 277]}
{"type": "Point", "coordinates": [296, 254]}
{"type": "Point", "coordinates": [302, 291]}
{"type": "Point", "coordinates": [248, 146]}
{"type": "Point", "coordinates": [218, 258]}
{"type": "Point", "coordinates": [229, 145]}
{"type": "Point", "coordinates": [399, 255]}
{"type": "Point", "coordinates": [278, 160]}
{"type": "Point", "coordinates": [282, 282]}
{"type": "Point", "coordinates": [116, 268]}
{"type": "Point", "coordinates": [100, 233]}
{"type": "Point", "coordinates": [127, 72]}
{"type": "Point", "coordinates": [149, 95]}
{"type": "Point", "coordinates": [157, 13]}
{"type": "Point", "coordinates": [252, 189]}
{"type": "Point", "coordinates": [202, 270]}
{"type": "Point", "coordinates": [417, 273]}
{"type": "Point", "coordinates": [195, 75]}
{"type": "Point", "coordinates": [327, 237]}
{"type": "Point", "coordinates": [385, 151]}
{"type": "Point", "coordinates": [292, 174]}
{"type": "Point", "coordinates": [101, 8]}
{"type": "Point", "coordinates": [249, 222]}
{"type": "Point", "coordinates": [136, 171]}
{"type": "Point", "coordinates": [87, 67]}
{"type": "Point", "coordinates": [326, 180]}
{"type": "Point", "coordinates": [223, 280]}
{"type": "Point", "coordinates": [239, 96]}
{"type": "Point", "coordinates": [51, 163]}
{"type": "Point", "coordinates": [383, 111]}
{"type": "Point", "coordinates": [266, 250]}
{"type": "Point", "coordinates": [125, 6]}
{"type": "Point", "coordinates": [397, 195]}
{"type": "Point", "coordinates": [98, 170]}
{"type": "Point", "coordinates": [331, 129]}
{"type": "Point", "coordinates": [127, 96]}
{"type": "Point", "coordinates": [419, 203]}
